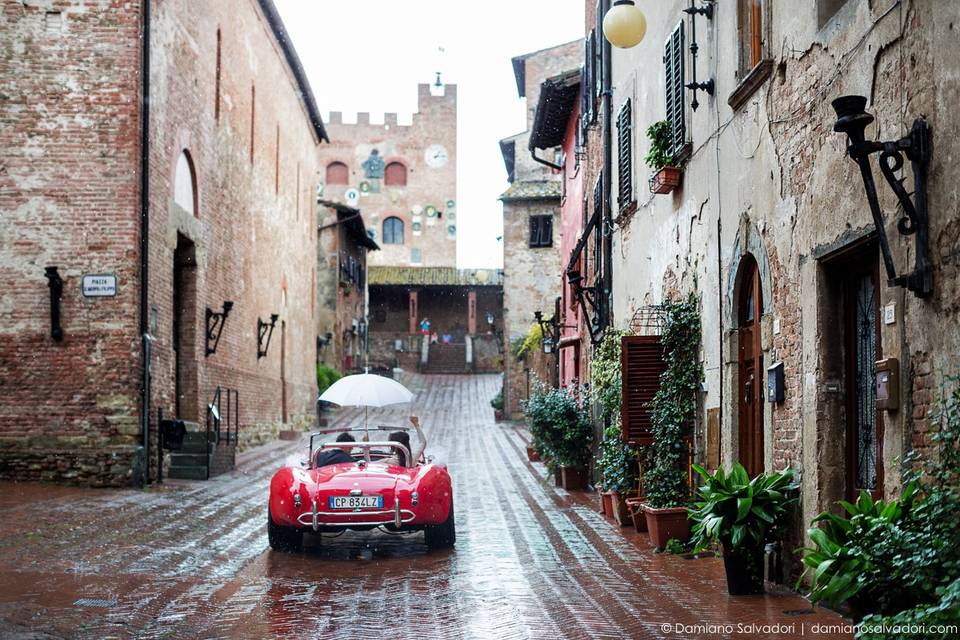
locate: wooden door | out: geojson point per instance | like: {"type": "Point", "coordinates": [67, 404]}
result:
{"type": "Point", "coordinates": [750, 360]}
{"type": "Point", "coordinates": [864, 422]}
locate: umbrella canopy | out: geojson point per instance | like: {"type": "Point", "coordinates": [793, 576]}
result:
{"type": "Point", "coordinates": [366, 390]}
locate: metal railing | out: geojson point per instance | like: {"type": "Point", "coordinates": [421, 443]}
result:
{"type": "Point", "coordinates": [229, 400]}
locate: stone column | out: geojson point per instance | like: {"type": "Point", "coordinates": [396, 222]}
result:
{"type": "Point", "coordinates": [472, 313]}
{"type": "Point", "coordinates": [413, 311]}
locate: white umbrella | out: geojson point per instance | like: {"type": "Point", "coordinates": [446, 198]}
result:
{"type": "Point", "coordinates": [366, 390]}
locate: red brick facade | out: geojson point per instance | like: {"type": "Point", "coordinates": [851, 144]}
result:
{"type": "Point", "coordinates": [70, 140]}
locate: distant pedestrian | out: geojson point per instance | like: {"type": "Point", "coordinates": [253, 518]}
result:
{"type": "Point", "coordinates": [425, 326]}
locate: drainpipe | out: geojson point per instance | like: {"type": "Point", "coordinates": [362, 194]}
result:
{"type": "Point", "coordinates": [606, 308]}
{"type": "Point", "coordinates": [144, 235]}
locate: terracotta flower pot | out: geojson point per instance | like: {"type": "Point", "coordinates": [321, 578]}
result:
{"type": "Point", "coordinates": [532, 455]}
{"type": "Point", "coordinates": [606, 503]}
{"type": "Point", "coordinates": [664, 524]}
{"type": "Point", "coordinates": [637, 514]}
{"type": "Point", "coordinates": [498, 414]}
{"type": "Point", "coordinates": [621, 512]}
{"type": "Point", "coordinates": [666, 179]}
{"type": "Point", "coordinates": [573, 478]}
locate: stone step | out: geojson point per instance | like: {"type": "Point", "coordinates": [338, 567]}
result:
{"type": "Point", "coordinates": [188, 472]}
{"type": "Point", "coordinates": [188, 459]}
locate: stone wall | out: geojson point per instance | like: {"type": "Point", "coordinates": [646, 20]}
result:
{"type": "Point", "coordinates": [766, 177]}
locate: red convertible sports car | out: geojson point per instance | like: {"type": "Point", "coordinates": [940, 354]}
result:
{"type": "Point", "coordinates": [366, 493]}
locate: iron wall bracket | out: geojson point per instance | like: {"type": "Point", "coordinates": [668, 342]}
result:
{"type": "Point", "coordinates": [914, 217]}
{"type": "Point", "coordinates": [265, 330]}
{"type": "Point", "coordinates": [214, 323]}
{"type": "Point", "coordinates": [55, 283]}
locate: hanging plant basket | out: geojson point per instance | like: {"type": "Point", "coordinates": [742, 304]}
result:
{"type": "Point", "coordinates": [666, 179]}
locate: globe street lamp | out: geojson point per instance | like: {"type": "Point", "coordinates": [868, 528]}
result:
{"type": "Point", "coordinates": [624, 25]}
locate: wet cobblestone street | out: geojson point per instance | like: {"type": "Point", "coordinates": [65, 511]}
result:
{"type": "Point", "coordinates": [191, 560]}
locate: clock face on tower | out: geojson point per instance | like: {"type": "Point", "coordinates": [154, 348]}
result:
{"type": "Point", "coordinates": [436, 156]}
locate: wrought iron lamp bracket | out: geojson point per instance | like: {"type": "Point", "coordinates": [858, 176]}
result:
{"type": "Point", "coordinates": [708, 86]}
{"type": "Point", "coordinates": [914, 219]}
{"type": "Point", "coordinates": [214, 323]}
{"type": "Point", "coordinates": [265, 330]}
{"type": "Point", "coordinates": [55, 283]}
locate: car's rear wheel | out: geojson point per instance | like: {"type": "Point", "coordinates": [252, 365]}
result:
{"type": "Point", "coordinates": [442, 536]}
{"type": "Point", "coordinates": [283, 538]}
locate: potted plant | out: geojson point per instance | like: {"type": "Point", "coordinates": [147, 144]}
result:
{"type": "Point", "coordinates": [743, 515]}
{"type": "Point", "coordinates": [617, 475]}
{"type": "Point", "coordinates": [666, 176]}
{"type": "Point", "coordinates": [560, 425]}
{"type": "Point", "coordinates": [672, 411]}
{"type": "Point", "coordinates": [497, 404]}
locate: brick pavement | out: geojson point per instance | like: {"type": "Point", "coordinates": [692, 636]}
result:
{"type": "Point", "coordinates": [190, 560]}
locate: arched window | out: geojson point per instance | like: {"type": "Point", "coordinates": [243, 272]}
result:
{"type": "Point", "coordinates": [395, 175]}
{"type": "Point", "coordinates": [337, 173]}
{"type": "Point", "coordinates": [185, 184]}
{"type": "Point", "coordinates": [393, 231]}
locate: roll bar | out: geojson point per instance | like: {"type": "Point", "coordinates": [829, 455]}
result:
{"type": "Point", "coordinates": [366, 446]}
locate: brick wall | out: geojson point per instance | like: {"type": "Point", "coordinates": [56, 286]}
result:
{"type": "Point", "coordinates": [68, 191]}
{"type": "Point", "coordinates": [71, 161]}
{"type": "Point", "coordinates": [428, 185]}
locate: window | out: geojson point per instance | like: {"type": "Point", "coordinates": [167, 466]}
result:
{"type": "Point", "coordinates": [826, 9]}
{"type": "Point", "coordinates": [337, 173]}
{"type": "Point", "coordinates": [393, 231]}
{"type": "Point", "coordinates": [185, 184]}
{"type": "Point", "coordinates": [625, 151]}
{"type": "Point", "coordinates": [395, 175]}
{"type": "Point", "coordinates": [416, 256]}
{"type": "Point", "coordinates": [673, 67]}
{"type": "Point", "coordinates": [642, 366]}
{"type": "Point", "coordinates": [750, 28]}
{"type": "Point", "coordinates": [541, 231]}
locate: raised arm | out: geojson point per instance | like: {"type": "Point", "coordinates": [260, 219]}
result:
{"type": "Point", "coordinates": [415, 421]}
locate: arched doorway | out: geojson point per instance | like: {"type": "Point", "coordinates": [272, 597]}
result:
{"type": "Point", "coordinates": [750, 366]}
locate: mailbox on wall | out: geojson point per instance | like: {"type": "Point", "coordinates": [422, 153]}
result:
{"type": "Point", "coordinates": [888, 384]}
{"type": "Point", "coordinates": [775, 391]}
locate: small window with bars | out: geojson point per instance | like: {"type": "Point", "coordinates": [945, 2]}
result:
{"type": "Point", "coordinates": [625, 154]}
{"type": "Point", "coordinates": [541, 231]}
{"type": "Point", "coordinates": [673, 56]}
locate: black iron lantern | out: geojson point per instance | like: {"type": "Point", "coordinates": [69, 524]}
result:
{"type": "Point", "coordinates": [215, 322]}
{"type": "Point", "coordinates": [852, 120]}
{"type": "Point", "coordinates": [265, 330]}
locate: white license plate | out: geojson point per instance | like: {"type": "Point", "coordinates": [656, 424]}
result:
{"type": "Point", "coordinates": [356, 502]}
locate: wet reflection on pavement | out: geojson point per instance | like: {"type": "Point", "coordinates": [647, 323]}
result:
{"type": "Point", "coordinates": [531, 560]}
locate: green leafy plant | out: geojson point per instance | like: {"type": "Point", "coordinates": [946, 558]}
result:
{"type": "Point", "coordinates": [739, 512]}
{"type": "Point", "coordinates": [606, 374]}
{"type": "Point", "coordinates": [659, 155]}
{"type": "Point", "coordinates": [559, 421]}
{"type": "Point", "coordinates": [520, 347]}
{"type": "Point", "coordinates": [673, 407]}
{"type": "Point", "coordinates": [326, 376]}
{"type": "Point", "coordinates": [497, 402]}
{"type": "Point", "coordinates": [898, 560]}
{"type": "Point", "coordinates": [675, 547]}
{"type": "Point", "coordinates": [615, 462]}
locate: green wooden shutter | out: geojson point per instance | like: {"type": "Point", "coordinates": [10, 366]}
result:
{"type": "Point", "coordinates": [625, 151]}
{"type": "Point", "coordinates": [673, 66]}
{"type": "Point", "coordinates": [642, 365]}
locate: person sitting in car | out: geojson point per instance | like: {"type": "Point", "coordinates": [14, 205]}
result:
{"type": "Point", "coordinates": [338, 455]}
{"type": "Point", "coordinates": [399, 458]}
